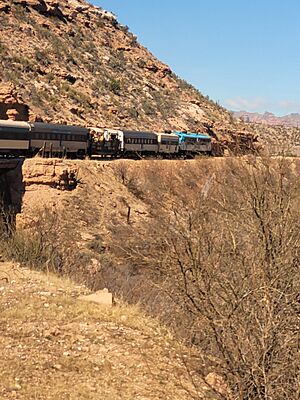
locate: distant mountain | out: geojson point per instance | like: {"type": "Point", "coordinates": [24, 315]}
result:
{"type": "Point", "coordinates": [269, 118]}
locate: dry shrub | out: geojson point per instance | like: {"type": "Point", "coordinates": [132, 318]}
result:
{"type": "Point", "coordinates": [227, 253]}
{"type": "Point", "coordinates": [36, 246]}
{"type": "Point", "coordinates": [125, 174]}
{"type": "Point", "coordinates": [232, 263]}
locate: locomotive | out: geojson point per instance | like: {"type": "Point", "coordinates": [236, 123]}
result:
{"type": "Point", "coordinates": [56, 140]}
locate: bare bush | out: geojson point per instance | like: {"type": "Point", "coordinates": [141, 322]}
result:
{"type": "Point", "coordinates": [230, 262]}
{"type": "Point", "coordinates": [36, 246]}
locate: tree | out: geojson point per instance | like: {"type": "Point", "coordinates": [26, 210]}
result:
{"type": "Point", "coordinates": [231, 262]}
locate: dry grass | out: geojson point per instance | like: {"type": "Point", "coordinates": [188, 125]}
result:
{"type": "Point", "coordinates": [54, 346]}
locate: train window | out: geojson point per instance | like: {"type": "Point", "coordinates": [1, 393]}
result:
{"type": "Point", "coordinates": [168, 142]}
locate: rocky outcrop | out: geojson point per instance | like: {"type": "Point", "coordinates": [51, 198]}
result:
{"type": "Point", "coordinates": [52, 173]}
{"type": "Point", "coordinates": [12, 105]}
{"type": "Point", "coordinates": [4, 6]}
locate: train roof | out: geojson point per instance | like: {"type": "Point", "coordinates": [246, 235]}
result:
{"type": "Point", "coordinates": [192, 135]}
{"type": "Point", "coordinates": [58, 128]}
{"type": "Point", "coordinates": [5, 123]}
{"type": "Point", "coordinates": [140, 134]}
{"type": "Point", "coordinates": [170, 136]}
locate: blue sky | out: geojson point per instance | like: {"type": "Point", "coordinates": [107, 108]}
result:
{"type": "Point", "coordinates": [243, 53]}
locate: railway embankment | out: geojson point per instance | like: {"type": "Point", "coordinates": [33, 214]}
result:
{"type": "Point", "coordinates": [93, 209]}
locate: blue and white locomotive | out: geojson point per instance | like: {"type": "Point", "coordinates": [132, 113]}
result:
{"type": "Point", "coordinates": [192, 144]}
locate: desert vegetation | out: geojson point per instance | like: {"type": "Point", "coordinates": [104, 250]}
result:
{"type": "Point", "coordinates": [213, 252]}
{"type": "Point", "coordinates": [224, 257]}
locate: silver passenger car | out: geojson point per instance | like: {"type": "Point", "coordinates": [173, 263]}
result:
{"type": "Point", "coordinates": [14, 138]}
{"type": "Point", "coordinates": [140, 142]}
{"type": "Point", "coordinates": [168, 143]}
{"type": "Point", "coordinates": [57, 139]}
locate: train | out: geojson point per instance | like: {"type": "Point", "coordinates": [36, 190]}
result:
{"type": "Point", "coordinates": [27, 139]}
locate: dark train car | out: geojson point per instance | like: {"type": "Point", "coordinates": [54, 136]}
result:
{"type": "Point", "coordinates": [136, 142]}
{"type": "Point", "coordinates": [14, 138]}
{"type": "Point", "coordinates": [57, 140]}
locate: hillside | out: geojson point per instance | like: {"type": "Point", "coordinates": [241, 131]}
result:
{"type": "Point", "coordinates": [279, 139]}
{"type": "Point", "coordinates": [176, 237]}
{"type": "Point", "coordinates": [55, 346]}
{"type": "Point", "coordinates": [72, 62]}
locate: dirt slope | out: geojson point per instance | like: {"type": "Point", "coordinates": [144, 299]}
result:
{"type": "Point", "coordinates": [73, 62]}
{"type": "Point", "coordinates": [54, 346]}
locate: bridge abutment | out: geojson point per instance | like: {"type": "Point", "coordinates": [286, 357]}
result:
{"type": "Point", "coordinates": [11, 190]}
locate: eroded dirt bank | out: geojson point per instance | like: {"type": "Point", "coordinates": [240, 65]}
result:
{"type": "Point", "coordinates": [112, 202]}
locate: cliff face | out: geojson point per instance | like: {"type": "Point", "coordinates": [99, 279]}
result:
{"type": "Point", "coordinates": [73, 62]}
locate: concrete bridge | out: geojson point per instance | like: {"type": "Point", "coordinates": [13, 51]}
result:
{"type": "Point", "coordinates": [11, 188]}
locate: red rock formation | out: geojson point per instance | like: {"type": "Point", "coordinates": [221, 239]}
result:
{"type": "Point", "coordinates": [12, 105]}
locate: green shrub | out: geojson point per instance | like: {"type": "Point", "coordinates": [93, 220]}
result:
{"type": "Point", "coordinates": [115, 86]}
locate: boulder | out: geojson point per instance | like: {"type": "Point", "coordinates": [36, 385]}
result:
{"type": "Point", "coordinates": [103, 297]}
